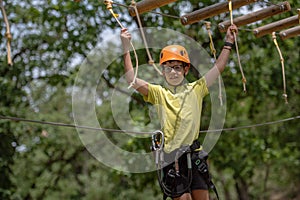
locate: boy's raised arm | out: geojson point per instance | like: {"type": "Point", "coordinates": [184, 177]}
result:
{"type": "Point", "coordinates": [140, 85]}
{"type": "Point", "coordinates": [221, 62]}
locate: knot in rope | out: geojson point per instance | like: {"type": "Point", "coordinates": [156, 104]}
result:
{"type": "Point", "coordinates": [151, 62]}
{"type": "Point", "coordinates": [133, 3]}
{"type": "Point", "coordinates": [108, 4]}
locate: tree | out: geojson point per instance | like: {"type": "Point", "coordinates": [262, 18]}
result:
{"type": "Point", "coordinates": [50, 41]}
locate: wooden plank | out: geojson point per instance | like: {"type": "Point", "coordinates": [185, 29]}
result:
{"type": "Point", "coordinates": [212, 10]}
{"type": "Point", "coordinates": [148, 5]}
{"type": "Point", "coordinates": [256, 16]}
{"type": "Point", "coordinates": [295, 31]}
{"type": "Point", "coordinates": [276, 26]}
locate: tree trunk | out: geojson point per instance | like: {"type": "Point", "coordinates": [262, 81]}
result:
{"type": "Point", "coordinates": [242, 189]}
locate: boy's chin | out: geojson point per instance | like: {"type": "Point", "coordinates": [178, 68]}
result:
{"type": "Point", "coordinates": [174, 83]}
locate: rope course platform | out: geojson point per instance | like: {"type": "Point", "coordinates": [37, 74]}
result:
{"type": "Point", "coordinates": [256, 16]}
{"type": "Point", "coordinates": [279, 25]}
{"type": "Point", "coordinates": [145, 6]}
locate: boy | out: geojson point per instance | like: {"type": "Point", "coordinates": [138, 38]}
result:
{"type": "Point", "coordinates": [180, 103]}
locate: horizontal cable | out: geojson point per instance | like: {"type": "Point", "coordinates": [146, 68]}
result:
{"type": "Point", "coordinates": [17, 119]}
{"type": "Point", "coordinates": [254, 125]}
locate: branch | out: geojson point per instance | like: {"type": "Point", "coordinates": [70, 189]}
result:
{"type": "Point", "coordinates": [122, 91]}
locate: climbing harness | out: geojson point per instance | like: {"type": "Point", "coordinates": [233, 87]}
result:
{"type": "Point", "coordinates": [237, 47]}
{"type": "Point", "coordinates": [213, 51]}
{"type": "Point", "coordinates": [172, 181]}
{"type": "Point", "coordinates": [200, 160]}
{"type": "Point", "coordinates": [282, 67]}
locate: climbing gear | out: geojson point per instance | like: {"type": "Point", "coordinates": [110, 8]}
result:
{"type": "Point", "coordinates": [172, 182]}
{"type": "Point", "coordinates": [171, 179]}
{"type": "Point", "coordinates": [174, 52]}
{"type": "Point", "coordinates": [199, 159]}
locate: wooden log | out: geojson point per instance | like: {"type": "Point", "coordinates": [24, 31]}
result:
{"type": "Point", "coordinates": [275, 26]}
{"type": "Point", "coordinates": [211, 11]}
{"type": "Point", "coordinates": [295, 31]}
{"type": "Point", "coordinates": [148, 5]}
{"type": "Point", "coordinates": [255, 16]}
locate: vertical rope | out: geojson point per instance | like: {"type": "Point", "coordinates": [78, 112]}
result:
{"type": "Point", "coordinates": [151, 62]}
{"type": "Point", "coordinates": [7, 34]}
{"type": "Point", "coordinates": [282, 67]}
{"type": "Point", "coordinates": [237, 48]}
{"type": "Point", "coordinates": [213, 51]}
{"type": "Point", "coordinates": [108, 4]}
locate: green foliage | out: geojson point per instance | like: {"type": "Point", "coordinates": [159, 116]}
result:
{"type": "Point", "coordinates": [50, 41]}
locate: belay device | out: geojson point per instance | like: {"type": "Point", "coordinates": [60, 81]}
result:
{"type": "Point", "coordinates": [172, 182]}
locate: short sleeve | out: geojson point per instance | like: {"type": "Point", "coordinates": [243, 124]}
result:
{"type": "Point", "coordinates": [153, 93]}
{"type": "Point", "coordinates": [201, 87]}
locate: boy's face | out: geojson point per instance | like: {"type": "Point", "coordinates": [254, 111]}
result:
{"type": "Point", "coordinates": [174, 72]}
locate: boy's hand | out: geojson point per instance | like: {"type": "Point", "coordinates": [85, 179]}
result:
{"type": "Point", "coordinates": [230, 35]}
{"type": "Point", "coordinates": [125, 38]}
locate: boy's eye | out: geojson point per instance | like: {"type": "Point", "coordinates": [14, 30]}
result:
{"type": "Point", "coordinates": [177, 68]}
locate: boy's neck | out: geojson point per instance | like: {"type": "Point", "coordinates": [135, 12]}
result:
{"type": "Point", "coordinates": [173, 88]}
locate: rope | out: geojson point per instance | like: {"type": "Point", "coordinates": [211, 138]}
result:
{"type": "Point", "coordinates": [237, 48]}
{"type": "Point", "coordinates": [213, 50]}
{"type": "Point", "coordinates": [282, 67]}
{"type": "Point", "coordinates": [151, 62]}
{"type": "Point", "coordinates": [108, 4]}
{"type": "Point", "coordinates": [253, 126]}
{"type": "Point", "coordinates": [17, 119]}
{"type": "Point", "coordinates": [7, 34]}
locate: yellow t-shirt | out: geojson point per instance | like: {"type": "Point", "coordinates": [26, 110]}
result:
{"type": "Point", "coordinates": [179, 111]}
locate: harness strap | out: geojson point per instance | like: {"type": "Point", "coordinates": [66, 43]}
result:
{"type": "Point", "coordinates": [202, 167]}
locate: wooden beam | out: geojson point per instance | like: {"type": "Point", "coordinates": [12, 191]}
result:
{"type": "Point", "coordinates": [295, 31]}
{"type": "Point", "coordinates": [275, 26]}
{"type": "Point", "coordinates": [148, 5]}
{"type": "Point", "coordinates": [255, 16]}
{"type": "Point", "coordinates": [212, 10]}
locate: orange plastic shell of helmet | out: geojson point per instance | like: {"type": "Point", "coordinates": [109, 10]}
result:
{"type": "Point", "coordinates": [174, 52]}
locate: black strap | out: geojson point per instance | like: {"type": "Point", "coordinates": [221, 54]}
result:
{"type": "Point", "coordinates": [200, 160]}
{"type": "Point", "coordinates": [213, 187]}
{"type": "Point", "coordinates": [196, 145]}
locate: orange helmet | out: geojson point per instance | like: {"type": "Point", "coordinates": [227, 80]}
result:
{"type": "Point", "coordinates": [174, 52]}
